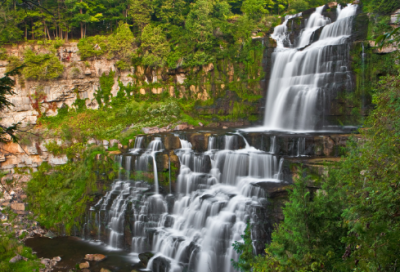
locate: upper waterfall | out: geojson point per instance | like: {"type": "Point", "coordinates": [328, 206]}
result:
{"type": "Point", "coordinates": [306, 75]}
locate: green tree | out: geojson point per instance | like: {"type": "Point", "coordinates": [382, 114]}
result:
{"type": "Point", "coordinates": [309, 239]}
{"type": "Point", "coordinates": [256, 8]}
{"type": "Point", "coordinates": [120, 44]}
{"type": "Point", "coordinates": [41, 66]}
{"type": "Point", "coordinates": [154, 45]}
{"type": "Point", "coordinates": [10, 19]}
{"type": "Point", "coordinates": [170, 11]}
{"type": "Point", "coordinates": [141, 11]}
{"type": "Point", "coordinates": [372, 172]}
{"type": "Point", "coordinates": [6, 89]}
{"type": "Point", "coordinates": [199, 23]}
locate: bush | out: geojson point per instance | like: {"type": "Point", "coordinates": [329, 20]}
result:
{"type": "Point", "coordinates": [59, 195]}
{"type": "Point", "coordinates": [75, 72]}
{"type": "Point", "coordinates": [92, 46]}
{"type": "Point", "coordinates": [154, 45]}
{"type": "Point", "coordinates": [117, 45]}
{"type": "Point", "coordinates": [41, 66]}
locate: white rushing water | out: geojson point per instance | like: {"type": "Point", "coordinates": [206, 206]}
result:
{"type": "Point", "coordinates": [305, 76]}
{"type": "Point", "coordinates": [217, 193]}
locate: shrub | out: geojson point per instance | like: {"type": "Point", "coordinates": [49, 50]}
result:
{"type": "Point", "coordinates": [75, 72]}
{"type": "Point", "coordinates": [42, 66]}
{"type": "Point", "coordinates": [155, 46]}
{"type": "Point", "coordinates": [60, 194]}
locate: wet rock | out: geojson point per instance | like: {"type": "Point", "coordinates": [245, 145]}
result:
{"type": "Point", "coordinates": [16, 259]}
{"type": "Point", "coordinates": [105, 270]}
{"type": "Point", "coordinates": [84, 265]}
{"type": "Point", "coordinates": [95, 257]}
{"type": "Point", "coordinates": [50, 234]}
{"type": "Point", "coordinates": [45, 261]}
{"type": "Point", "coordinates": [57, 259]}
{"type": "Point", "coordinates": [161, 264]}
{"type": "Point", "coordinates": [145, 257]}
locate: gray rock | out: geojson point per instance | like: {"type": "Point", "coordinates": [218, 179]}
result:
{"type": "Point", "coordinates": [16, 259]}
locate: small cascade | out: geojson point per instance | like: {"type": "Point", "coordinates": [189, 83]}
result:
{"type": "Point", "coordinates": [137, 146]}
{"type": "Point", "coordinates": [142, 162]}
{"type": "Point", "coordinates": [306, 77]}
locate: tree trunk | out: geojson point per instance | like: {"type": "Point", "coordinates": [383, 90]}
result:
{"type": "Point", "coordinates": [48, 32]}
{"type": "Point", "coordinates": [82, 33]}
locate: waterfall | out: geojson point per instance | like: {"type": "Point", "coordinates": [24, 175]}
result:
{"type": "Point", "coordinates": [303, 78]}
{"type": "Point", "coordinates": [137, 146]}
{"type": "Point", "coordinates": [226, 185]}
{"type": "Point", "coordinates": [217, 193]}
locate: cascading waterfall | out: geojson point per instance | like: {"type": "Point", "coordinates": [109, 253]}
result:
{"type": "Point", "coordinates": [304, 77]}
{"type": "Point", "coordinates": [218, 191]}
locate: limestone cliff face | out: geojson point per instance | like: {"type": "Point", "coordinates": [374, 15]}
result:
{"type": "Point", "coordinates": [222, 81]}
{"type": "Point", "coordinates": [81, 78]}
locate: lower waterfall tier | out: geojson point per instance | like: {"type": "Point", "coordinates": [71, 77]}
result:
{"type": "Point", "coordinates": [191, 224]}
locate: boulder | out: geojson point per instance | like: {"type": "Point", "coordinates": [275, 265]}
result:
{"type": "Point", "coordinates": [84, 265]}
{"type": "Point", "coordinates": [332, 4]}
{"type": "Point", "coordinates": [57, 259]}
{"type": "Point", "coordinates": [182, 126]}
{"type": "Point", "coordinates": [150, 130]}
{"type": "Point", "coordinates": [16, 259]}
{"type": "Point", "coordinates": [395, 17]}
{"type": "Point", "coordinates": [145, 257]}
{"type": "Point", "coordinates": [95, 257]}
{"type": "Point", "coordinates": [45, 261]}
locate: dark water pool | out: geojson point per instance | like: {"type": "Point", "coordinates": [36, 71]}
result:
{"type": "Point", "coordinates": [72, 251]}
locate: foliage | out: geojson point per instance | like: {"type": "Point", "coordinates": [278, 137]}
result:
{"type": "Point", "coordinates": [39, 66]}
{"type": "Point", "coordinates": [11, 247]}
{"type": "Point", "coordinates": [92, 46]}
{"type": "Point", "coordinates": [351, 223]}
{"type": "Point", "coordinates": [103, 94]}
{"type": "Point", "coordinates": [245, 251]}
{"type": "Point", "coordinates": [59, 195]}
{"type": "Point", "coordinates": [381, 6]}
{"type": "Point", "coordinates": [6, 89]}
{"type": "Point", "coordinates": [372, 170]}
{"type": "Point", "coordinates": [118, 45]}
{"type": "Point", "coordinates": [154, 45]}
